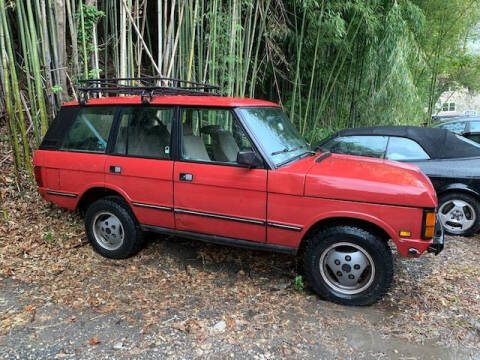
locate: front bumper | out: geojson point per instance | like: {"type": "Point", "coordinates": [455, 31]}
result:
{"type": "Point", "coordinates": [438, 240]}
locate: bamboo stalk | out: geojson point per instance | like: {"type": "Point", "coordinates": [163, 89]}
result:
{"type": "Point", "coordinates": [36, 71]}
{"type": "Point", "coordinates": [6, 68]}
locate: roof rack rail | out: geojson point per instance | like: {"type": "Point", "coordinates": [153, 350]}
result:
{"type": "Point", "coordinates": [146, 87]}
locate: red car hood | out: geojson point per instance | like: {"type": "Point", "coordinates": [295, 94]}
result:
{"type": "Point", "coordinates": [358, 178]}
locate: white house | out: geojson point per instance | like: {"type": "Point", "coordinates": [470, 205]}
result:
{"type": "Point", "coordinates": [457, 102]}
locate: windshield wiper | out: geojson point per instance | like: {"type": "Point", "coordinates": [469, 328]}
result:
{"type": "Point", "coordinates": [286, 150]}
{"type": "Point", "coordinates": [282, 151]}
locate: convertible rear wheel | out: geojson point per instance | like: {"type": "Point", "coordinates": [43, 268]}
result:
{"type": "Point", "coordinates": [348, 265]}
{"type": "Point", "coordinates": [459, 214]}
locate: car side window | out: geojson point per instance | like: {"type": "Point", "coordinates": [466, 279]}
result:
{"type": "Point", "coordinates": [212, 135]}
{"type": "Point", "coordinates": [144, 132]}
{"type": "Point", "coordinates": [475, 126]}
{"type": "Point", "coordinates": [456, 127]}
{"type": "Point", "coordinates": [372, 146]}
{"type": "Point", "coordinates": [90, 130]}
{"type": "Point", "coordinates": [405, 149]}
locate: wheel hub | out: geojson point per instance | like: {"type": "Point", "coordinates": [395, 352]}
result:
{"type": "Point", "coordinates": [108, 230]}
{"type": "Point", "coordinates": [347, 268]}
{"type": "Point", "coordinates": [457, 216]}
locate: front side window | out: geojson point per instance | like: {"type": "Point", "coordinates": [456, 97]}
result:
{"type": "Point", "coordinates": [372, 146]}
{"type": "Point", "coordinates": [456, 127]}
{"type": "Point", "coordinates": [90, 130]}
{"type": "Point", "coordinates": [212, 135]}
{"type": "Point", "coordinates": [144, 132]}
{"type": "Point", "coordinates": [405, 149]}
{"type": "Point", "coordinates": [277, 134]}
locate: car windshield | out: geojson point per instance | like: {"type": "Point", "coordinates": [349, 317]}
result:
{"type": "Point", "coordinates": [278, 136]}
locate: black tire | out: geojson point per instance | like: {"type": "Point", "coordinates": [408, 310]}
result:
{"type": "Point", "coordinates": [475, 206]}
{"type": "Point", "coordinates": [132, 239]}
{"type": "Point", "coordinates": [377, 282]}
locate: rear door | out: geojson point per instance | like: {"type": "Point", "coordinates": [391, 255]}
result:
{"type": "Point", "coordinates": [214, 195]}
{"type": "Point", "coordinates": [139, 165]}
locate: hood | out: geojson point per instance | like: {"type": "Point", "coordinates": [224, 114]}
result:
{"type": "Point", "coordinates": [357, 178]}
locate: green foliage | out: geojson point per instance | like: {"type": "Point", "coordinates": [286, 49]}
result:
{"type": "Point", "coordinates": [56, 89]}
{"type": "Point", "coordinates": [298, 283]}
{"type": "Point", "coordinates": [94, 73]}
{"type": "Point", "coordinates": [48, 237]}
{"type": "Point", "coordinates": [91, 16]}
{"type": "Point", "coordinates": [330, 64]}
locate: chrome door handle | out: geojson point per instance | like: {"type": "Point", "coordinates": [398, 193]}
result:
{"type": "Point", "coordinates": [185, 177]}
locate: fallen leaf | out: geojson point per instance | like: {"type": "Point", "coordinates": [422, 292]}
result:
{"type": "Point", "coordinates": [94, 341]}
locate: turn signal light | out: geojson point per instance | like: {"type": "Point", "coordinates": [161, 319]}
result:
{"type": "Point", "coordinates": [405, 233]}
{"type": "Point", "coordinates": [429, 219]}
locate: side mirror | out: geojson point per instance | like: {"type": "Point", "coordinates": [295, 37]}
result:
{"type": "Point", "coordinates": [249, 158]}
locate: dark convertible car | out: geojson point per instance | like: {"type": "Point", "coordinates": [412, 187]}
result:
{"type": "Point", "coordinates": [451, 161]}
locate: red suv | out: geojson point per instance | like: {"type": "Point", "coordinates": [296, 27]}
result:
{"type": "Point", "coordinates": [180, 160]}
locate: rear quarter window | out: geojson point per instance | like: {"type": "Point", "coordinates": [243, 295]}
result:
{"type": "Point", "coordinates": [405, 149]}
{"type": "Point", "coordinates": [90, 130]}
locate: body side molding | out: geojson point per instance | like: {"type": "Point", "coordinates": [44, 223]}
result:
{"type": "Point", "coordinates": [220, 240]}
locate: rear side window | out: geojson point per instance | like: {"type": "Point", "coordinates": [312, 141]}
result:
{"type": "Point", "coordinates": [372, 146]}
{"type": "Point", "coordinates": [405, 149]}
{"type": "Point", "coordinates": [456, 127]}
{"type": "Point", "coordinates": [90, 130]}
{"type": "Point", "coordinates": [145, 132]}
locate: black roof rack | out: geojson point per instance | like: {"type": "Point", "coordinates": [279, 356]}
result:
{"type": "Point", "coordinates": [146, 87]}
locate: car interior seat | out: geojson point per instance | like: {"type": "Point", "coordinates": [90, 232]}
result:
{"type": "Point", "coordinates": [193, 146]}
{"type": "Point", "coordinates": [224, 146]}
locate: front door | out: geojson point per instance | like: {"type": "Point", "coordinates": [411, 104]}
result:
{"type": "Point", "coordinates": [140, 165]}
{"type": "Point", "coordinates": [213, 194]}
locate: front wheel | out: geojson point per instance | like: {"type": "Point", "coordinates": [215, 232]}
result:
{"type": "Point", "coordinates": [348, 265]}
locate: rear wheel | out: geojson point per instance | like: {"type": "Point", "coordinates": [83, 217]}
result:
{"type": "Point", "coordinates": [112, 228]}
{"type": "Point", "coordinates": [459, 214]}
{"type": "Point", "coordinates": [348, 265]}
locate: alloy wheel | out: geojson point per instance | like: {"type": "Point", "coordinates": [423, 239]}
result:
{"type": "Point", "coordinates": [347, 268]}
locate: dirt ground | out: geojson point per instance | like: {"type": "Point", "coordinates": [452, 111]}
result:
{"type": "Point", "coordinates": [184, 299]}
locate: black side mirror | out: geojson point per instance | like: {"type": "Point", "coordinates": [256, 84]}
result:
{"type": "Point", "coordinates": [249, 158]}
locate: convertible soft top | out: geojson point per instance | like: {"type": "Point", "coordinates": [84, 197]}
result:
{"type": "Point", "coordinates": [438, 143]}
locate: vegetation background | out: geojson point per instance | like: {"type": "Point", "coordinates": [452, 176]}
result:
{"type": "Point", "coordinates": [331, 64]}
